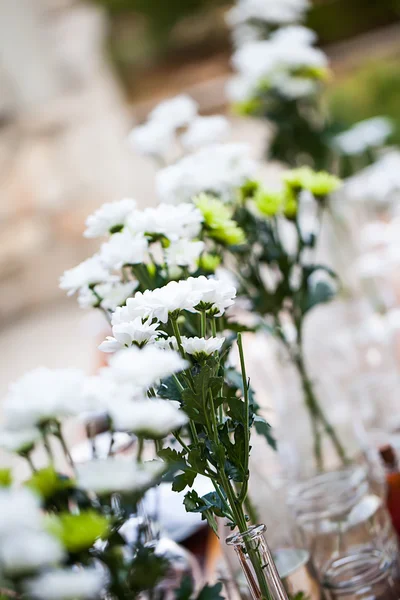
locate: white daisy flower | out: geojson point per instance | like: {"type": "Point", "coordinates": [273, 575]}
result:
{"type": "Point", "coordinates": [66, 584]}
{"type": "Point", "coordinates": [217, 295]}
{"type": "Point", "coordinates": [115, 294]}
{"type": "Point", "coordinates": [173, 222]}
{"type": "Point", "coordinates": [25, 551]}
{"type": "Point", "coordinates": [19, 441]}
{"type": "Point", "coordinates": [153, 138]}
{"type": "Point", "coordinates": [202, 346]}
{"type": "Point", "coordinates": [118, 475]}
{"type": "Point", "coordinates": [133, 332]}
{"type": "Point", "coordinates": [175, 112]}
{"type": "Point", "coordinates": [88, 272]}
{"type": "Point", "coordinates": [218, 168]}
{"type": "Point", "coordinates": [267, 11]}
{"type": "Point", "coordinates": [143, 367]}
{"type": "Point", "coordinates": [205, 130]}
{"type": "Point", "coordinates": [19, 508]}
{"type": "Point", "coordinates": [40, 395]}
{"type": "Point", "coordinates": [123, 249]}
{"type": "Point", "coordinates": [152, 419]}
{"type": "Point", "coordinates": [109, 217]}
{"type": "Point", "coordinates": [184, 253]}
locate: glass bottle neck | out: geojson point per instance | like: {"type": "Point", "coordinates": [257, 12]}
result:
{"type": "Point", "coordinates": [257, 564]}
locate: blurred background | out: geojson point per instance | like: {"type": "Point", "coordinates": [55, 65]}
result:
{"type": "Point", "coordinates": [74, 78]}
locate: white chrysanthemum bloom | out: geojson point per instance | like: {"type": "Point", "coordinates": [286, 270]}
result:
{"type": "Point", "coordinates": [19, 441]}
{"type": "Point", "coordinates": [174, 222]}
{"type": "Point", "coordinates": [115, 294]}
{"type": "Point", "coordinates": [168, 343]}
{"type": "Point", "coordinates": [205, 130]}
{"type": "Point", "coordinates": [239, 88]}
{"type": "Point", "coordinates": [66, 584]}
{"type": "Point", "coordinates": [201, 346]}
{"type": "Point", "coordinates": [154, 138]}
{"type": "Point", "coordinates": [216, 295]}
{"type": "Point", "coordinates": [218, 168]}
{"type": "Point", "coordinates": [268, 11]}
{"type": "Point", "coordinates": [143, 367]}
{"type": "Point", "coordinates": [87, 298]}
{"type": "Point", "coordinates": [133, 332]}
{"type": "Point", "coordinates": [101, 391]}
{"type": "Point", "coordinates": [108, 217]}
{"type": "Point", "coordinates": [370, 133]}
{"type": "Point", "coordinates": [41, 395]}
{"type": "Point", "coordinates": [124, 249]}
{"type": "Point", "coordinates": [294, 34]}
{"type": "Point", "coordinates": [88, 272]}
{"type": "Point", "coordinates": [153, 419]}
{"type": "Point", "coordinates": [160, 303]}
{"type": "Point", "coordinates": [26, 551]}
{"type": "Point", "coordinates": [118, 475]}
{"type": "Point", "coordinates": [184, 253]}
{"type": "Point", "coordinates": [175, 112]}
{"type": "Point", "coordinates": [261, 59]}
{"type": "Point", "coordinates": [294, 87]}
{"type": "Point", "coordinates": [19, 509]}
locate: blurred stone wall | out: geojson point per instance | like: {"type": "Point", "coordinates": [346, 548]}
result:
{"type": "Point", "coordinates": [63, 126]}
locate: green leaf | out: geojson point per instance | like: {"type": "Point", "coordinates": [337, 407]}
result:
{"type": "Point", "coordinates": [168, 390]}
{"type": "Point", "coordinates": [211, 592]}
{"type": "Point", "coordinates": [5, 478]}
{"type": "Point", "coordinates": [235, 452]}
{"type": "Point", "coordinates": [146, 571]}
{"type": "Point", "coordinates": [183, 480]}
{"type": "Point", "coordinates": [79, 532]}
{"type": "Point", "coordinates": [195, 401]}
{"type": "Point", "coordinates": [263, 428]}
{"type": "Point", "coordinates": [47, 482]}
{"type": "Point", "coordinates": [185, 590]}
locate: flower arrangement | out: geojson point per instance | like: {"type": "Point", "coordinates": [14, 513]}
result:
{"type": "Point", "coordinates": [65, 529]}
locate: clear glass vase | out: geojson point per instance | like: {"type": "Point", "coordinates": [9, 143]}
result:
{"type": "Point", "coordinates": [257, 563]}
{"type": "Point", "coordinates": [361, 576]}
{"type": "Point", "coordinates": [339, 514]}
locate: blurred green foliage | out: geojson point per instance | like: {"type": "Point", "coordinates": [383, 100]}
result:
{"type": "Point", "coordinates": [372, 90]}
{"type": "Point", "coordinates": [339, 19]}
{"type": "Point", "coordinates": [161, 15]}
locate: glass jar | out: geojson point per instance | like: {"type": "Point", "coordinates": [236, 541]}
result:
{"type": "Point", "coordinates": [361, 576]}
{"type": "Point", "coordinates": [338, 514]}
{"type": "Point", "coordinates": [257, 563]}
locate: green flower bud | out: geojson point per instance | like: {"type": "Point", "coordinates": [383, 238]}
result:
{"type": "Point", "coordinates": [78, 532]}
{"type": "Point", "coordinates": [269, 203]}
{"type": "Point", "coordinates": [209, 262]}
{"type": "Point", "coordinates": [320, 183]}
{"type": "Point", "coordinates": [290, 205]}
{"type": "Point", "coordinates": [248, 190]}
{"type": "Point", "coordinates": [247, 108]}
{"type": "Point", "coordinates": [5, 478]}
{"type": "Point", "coordinates": [218, 220]}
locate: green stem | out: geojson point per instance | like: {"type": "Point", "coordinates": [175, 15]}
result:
{"type": "Point", "coordinates": [177, 334]}
{"type": "Point", "coordinates": [243, 492]}
{"type": "Point", "coordinates": [47, 445]}
{"type": "Point", "coordinates": [140, 449]}
{"type": "Point", "coordinates": [28, 458]}
{"type": "Point", "coordinates": [203, 324]}
{"type": "Point", "coordinates": [59, 435]}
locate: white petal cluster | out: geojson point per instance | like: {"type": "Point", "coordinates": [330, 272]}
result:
{"type": "Point", "coordinates": [66, 584]}
{"type": "Point", "coordinates": [101, 391]}
{"type": "Point", "coordinates": [218, 168]}
{"type": "Point", "coordinates": [108, 295]}
{"type": "Point", "coordinates": [176, 112]}
{"type": "Point", "coordinates": [212, 294]}
{"type": "Point", "coordinates": [184, 253]}
{"type": "Point", "coordinates": [216, 294]}
{"type": "Point", "coordinates": [157, 135]}
{"type": "Point", "coordinates": [144, 367]}
{"type": "Point", "coordinates": [198, 346]}
{"type": "Point", "coordinates": [108, 216]}
{"type": "Point", "coordinates": [173, 222]}
{"type": "Point", "coordinates": [205, 130]}
{"type": "Point", "coordinates": [40, 395]}
{"type": "Point", "coordinates": [118, 475]}
{"type": "Point", "coordinates": [267, 11]}
{"type": "Point", "coordinates": [20, 440]}
{"type": "Point", "coordinates": [371, 133]}
{"type": "Point", "coordinates": [152, 419]}
{"type": "Point", "coordinates": [154, 138]}
{"type": "Point", "coordinates": [89, 272]}
{"type": "Point", "coordinates": [123, 249]}
{"type": "Point", "coordinates": [24, 544]}
{"type": "Point", "coordinates": [276, 61]}
{"type": "Point", "coordinates": [136, 332]}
